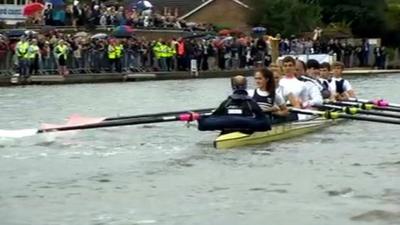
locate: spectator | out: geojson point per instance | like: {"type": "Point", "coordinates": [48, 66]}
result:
{"type": "Point", "coordinates": [61, 52]}
{"type": "Point", "coordinates": [33, 56]}
{"type": "Point", "coordinates": [46, 59]}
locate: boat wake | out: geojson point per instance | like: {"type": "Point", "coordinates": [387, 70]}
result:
{"type": "Point", "coordinates": [17, 133]}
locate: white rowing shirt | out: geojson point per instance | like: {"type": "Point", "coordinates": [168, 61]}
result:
{"type": "Point", "coordinates": [292, 86]}
{"type": "Point", "coordinates": [307, 92]}
{"type": "Point", "coordinates": [313, 96]}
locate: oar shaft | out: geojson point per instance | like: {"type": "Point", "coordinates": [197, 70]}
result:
{"type": "Point", "coordinates": [370, 119]}
{"type": "Point", "coordinates": [125, 122]}
{"type": "Point", "coordinates": [354, 110]}
{"type": "Point", "coordinates": [337, 115]}
{"type": "Point", "coordinates": [377, 102]}
{"type": "Point", "coordinates": [366, 106]}
{"type": "Point", "coordinates": [159, 114]}
{"type": "Point", "coordinates": [128, 122]}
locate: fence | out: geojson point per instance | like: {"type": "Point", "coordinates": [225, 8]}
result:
{"type": "Point", "coordinates": [90, 61]}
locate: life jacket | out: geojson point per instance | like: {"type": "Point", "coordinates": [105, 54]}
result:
{"type": "Point", "coordinates": [237, 115]}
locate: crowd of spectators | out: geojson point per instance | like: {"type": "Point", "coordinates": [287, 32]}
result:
{"type": "Point", "coordinates": [352, 55]}
{"type": "Point", "coordinates": [92, 55]}
{"type": "Point", "coordinates": [104, 14]}
{"type": "Point", "coordinates": [86, 54]}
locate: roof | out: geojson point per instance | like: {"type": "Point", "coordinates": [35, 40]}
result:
{"type": "Point", "coordinates": [189, 7]}
{"type": "Point", "coordinates": [207, 2]}
{"type": "Point", "coordinates": [184, 6]}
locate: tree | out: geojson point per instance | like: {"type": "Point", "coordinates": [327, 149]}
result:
{"type": "Point", "coordinates": [366, 17]}
{"type": "Point", "coordinates": [286, 17]}
{"type": "Point", "coordinates": [392, 36]}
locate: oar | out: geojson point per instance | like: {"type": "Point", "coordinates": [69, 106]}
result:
{"type": "Point", "coordinates": [122, 122]}
{"type": "Point", "coordinates": [84, 120]}
{"type": "Point", "coordinates": [377, 102]}
{"type": "Point", "coordinates": [159, 114]}
{"type": "Point", "coordinates": [337, 115]}
{"type": "Point", "coordinates": [354, 110]}
{"type": "Point", "coordinates": [366, 106]}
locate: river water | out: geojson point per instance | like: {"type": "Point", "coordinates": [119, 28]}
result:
{"type": "Point", "coordinates": [170, 174]}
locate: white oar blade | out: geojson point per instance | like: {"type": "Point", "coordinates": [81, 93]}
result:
{"type": "Point", "coordinates": [17, 133]}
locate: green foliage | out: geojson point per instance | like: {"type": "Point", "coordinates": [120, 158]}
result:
{"type": "Point", "coordinates": [338, 30]}
{"type": "Point", "coordinates": [285, 16]}
{"type": "Point", "coordinates": [367, 17]}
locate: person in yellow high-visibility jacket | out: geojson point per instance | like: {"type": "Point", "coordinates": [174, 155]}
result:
{"type": "Point", "coordinates": [171, 52]}
{"type": "Point", "coordinates": [61, 52]}
{"type": "Point", "coordinates": [163, 54]}
{"type": "Point", "coordinates": [119, 48]}
{"type": "Point", "coordinates": [156, 50]}
{"type": "Point", "coordinates": [33, 56]}
{"type": "Point", "coordinates": [21, 51]}
{"type": "Point", "coordinates": [112, 54]}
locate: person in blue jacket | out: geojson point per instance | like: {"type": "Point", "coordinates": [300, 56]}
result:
{"type": "Point", "coordinates": [239, 112]}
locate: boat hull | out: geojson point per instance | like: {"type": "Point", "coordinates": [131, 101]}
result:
{"type": "Point", "coordinates": [277, 133]}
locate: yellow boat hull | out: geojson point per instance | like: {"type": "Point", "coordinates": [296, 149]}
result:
{"type": "Point", "coordinates": [277, 133]}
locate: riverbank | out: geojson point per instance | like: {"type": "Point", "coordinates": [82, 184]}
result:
{"type": "Point", "coordinates": [151, 76]}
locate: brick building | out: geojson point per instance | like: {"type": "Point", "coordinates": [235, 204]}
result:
{"type": "Point", "coordinates": [229, 13]}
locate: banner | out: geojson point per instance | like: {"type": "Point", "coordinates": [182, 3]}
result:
{"type": "Point", "coordinates": [10, 13]}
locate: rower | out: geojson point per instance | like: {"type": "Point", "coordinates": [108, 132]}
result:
{"type": "Point", "coordinates": [293, 90]}
{"type": "Point", "coordinates": [237, 113]}
{"type": "Point", "coordinates": [342, 88]}
{"type": "Point", "coordinates": [314, 88]}
{"type": "Point", "coordinates": [302, 94]}
{"type": "Point", "coordinates": [266, 95]}
{"type": "Point", "coordinates": [314, 73]}
{"type": "Point", "coordinates": [325, 72]}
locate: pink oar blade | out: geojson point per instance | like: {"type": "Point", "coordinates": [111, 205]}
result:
{"type": "Point", "coordinates": [74, 120]}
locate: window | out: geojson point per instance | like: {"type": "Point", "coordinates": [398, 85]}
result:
{"type": "Point", "coordinates": [21, 2]}
{"type": "Point", "coordinates": [11, 2]}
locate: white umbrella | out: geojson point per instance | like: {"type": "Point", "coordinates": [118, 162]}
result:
{"type": "Point", "coordinates": [99, 36]}
{"type": "Point", "coordinates": [147, 4]}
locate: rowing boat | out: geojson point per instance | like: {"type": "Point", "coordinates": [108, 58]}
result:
{"type": "Point", "coordinates": [277, 133]}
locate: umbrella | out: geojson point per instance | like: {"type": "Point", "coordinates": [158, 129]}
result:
{"type": "Point", "coordinates": [99, 36]}
{"type": "Point", "coordinates": [56, 2]}
{"type": "Point", "coordinates": [143, 4]}
{"type": "Point", "coordinates": [30, 32]}
{"type": "Point", "coordinates": [123, 31]}
{"type": "Point", "coordinates": [15, 33]}
{"type": "Point", "coordinates": [224, 32]}
{"type": "Point", "coordinates": [81, 34]}
{"type": "Point", "coordinates": [32, 8]}
{"type": "Point", "coordinates": [261, 30]}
